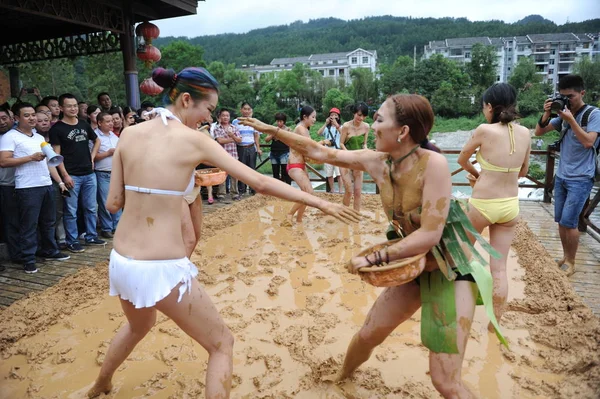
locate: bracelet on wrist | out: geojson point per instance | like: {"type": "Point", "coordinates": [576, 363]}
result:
{"type": "Point", "coordinates": [543, 124]}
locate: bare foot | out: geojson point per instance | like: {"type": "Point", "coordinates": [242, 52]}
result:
{"type": "Point", "coordinates": [99, 388]}
{"type": "Point", "coordinates": [559, 263]}
{"type": "Point", "coordinates": [568, 268]}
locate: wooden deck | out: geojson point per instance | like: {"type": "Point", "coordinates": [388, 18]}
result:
{"type": "Point", "coordinates": [15, 284]}
{"type": "Point", "coordinates": [586, 279]}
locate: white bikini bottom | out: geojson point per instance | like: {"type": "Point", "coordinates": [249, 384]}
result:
{"type": "Point", "coordinates": [146, 282]}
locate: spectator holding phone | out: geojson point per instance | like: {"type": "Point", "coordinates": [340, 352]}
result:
{"type": "Point", "coordinates": [331, 138]}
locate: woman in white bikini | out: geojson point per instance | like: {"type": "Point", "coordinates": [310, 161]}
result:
{"type": "Point", "coordinates": [148, 269]}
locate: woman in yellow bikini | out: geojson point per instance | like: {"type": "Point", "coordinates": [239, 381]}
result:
{"type": "Point", "coordinates": [353, 137]}
{"type": "Point", "coordinates": [503, 154]}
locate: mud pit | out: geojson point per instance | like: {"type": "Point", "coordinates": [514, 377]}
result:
{"type": "Point", "coordinates": [293, 309]}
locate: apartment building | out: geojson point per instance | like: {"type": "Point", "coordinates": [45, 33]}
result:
{"type": "Point", "coordinates": [330, 65]}
{"type": "Point", "coordinates": [554, 54]}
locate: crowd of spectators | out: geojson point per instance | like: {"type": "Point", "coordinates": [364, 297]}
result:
{"type": "Point", "coordinates": [44, 209]}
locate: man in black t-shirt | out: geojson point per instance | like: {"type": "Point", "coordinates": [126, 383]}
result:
{"type": "Point", "coordinates": [71, 138]}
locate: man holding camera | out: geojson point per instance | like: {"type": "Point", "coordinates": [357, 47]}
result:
{"type": "Point", "coordinates": [579, 125]}
{"type": "Point", "coordinates": [331, 132]}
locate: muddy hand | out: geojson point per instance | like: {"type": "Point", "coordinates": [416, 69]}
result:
{"type": "Point", "coordinates": [254, 123]}
{"type": "Point", "coordinates": [356, 263]}
{"type": "Point", "coordinates": [341, 212]}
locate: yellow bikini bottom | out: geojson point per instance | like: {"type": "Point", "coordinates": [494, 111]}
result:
{"type": "Point", "coordinates": [497, 210]}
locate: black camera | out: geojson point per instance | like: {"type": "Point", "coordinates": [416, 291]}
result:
{"type": "Point", "coordinates": [559, 103]}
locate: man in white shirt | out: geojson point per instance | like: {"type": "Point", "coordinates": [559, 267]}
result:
{"type": "Point", "coordinates": [103, 168]}
{"type": "Point", "coordinates": [21, 148]}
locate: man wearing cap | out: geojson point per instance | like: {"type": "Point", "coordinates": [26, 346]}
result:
{"type": "Point", "coordinates": [331, 132]}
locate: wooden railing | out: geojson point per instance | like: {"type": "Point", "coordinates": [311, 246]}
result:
{"type": "Point", "coordinates": [547, 185]}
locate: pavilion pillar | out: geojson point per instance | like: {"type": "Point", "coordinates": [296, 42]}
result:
{"type": "Point", "coordinates": [132, 88]}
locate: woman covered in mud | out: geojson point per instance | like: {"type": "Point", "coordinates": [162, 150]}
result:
{"type": "Point", "coordinates": [353, 137]}
{"type": "Point", "coordinates": [415, 187]}
{"type": "Point", "coordinates": [503, 153]}
{"type": "Point", "coordinates": [149, 270]}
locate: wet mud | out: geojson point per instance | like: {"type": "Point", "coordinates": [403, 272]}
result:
{"type": "Point", "coordinates": [293, 309]}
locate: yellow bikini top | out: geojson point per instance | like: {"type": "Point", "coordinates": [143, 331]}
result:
{"type": "Point", "coordinates": [485, 165]}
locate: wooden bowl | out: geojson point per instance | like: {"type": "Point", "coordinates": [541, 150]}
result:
{"type": "Point", "coordinates": [472, 180]}
{"type": "Point", "coordinates": [395, 273]}
{"type": "Point", "coordinates": [210, 177]}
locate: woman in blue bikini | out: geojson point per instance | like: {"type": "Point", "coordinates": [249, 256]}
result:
{"type": "Point", "coordinates": [149, 270]}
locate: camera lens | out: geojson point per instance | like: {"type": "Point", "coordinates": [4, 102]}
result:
{"type": "Point", "coordinates": [558, 104]}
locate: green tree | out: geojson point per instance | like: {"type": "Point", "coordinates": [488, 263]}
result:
{"type": "Point", "coordinates": [338, 99]}
{"type": "Point", "coordinates": [530, 99]}
{"type": "Point", "coordinates": [217, 69]}
{"type": "Point", "coordinates": [447, 103]}
{"type": "Point", "coordinates": [482, 68]}
{"type": "Point", "coordinates": [104, 72]}
{"type": "Point", "coordinates": [181, 54]}
{"type": "Point", "coordinates": [590, 72]}
{"type": "Point", "coordinates": [394, 77]}
{"type": "Point", "coordinates": [364, 85]}
{"type": "Point", "coordinates": [235, 88]}
{"type": "Point", "coordinates": [429, 74]}
{"type": "Point", "coordinates": [524, 73]}
{"type": "Point", "coordinates": [53, 77]}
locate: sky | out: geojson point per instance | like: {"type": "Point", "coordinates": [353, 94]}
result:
{"type": "Point", "coordinates": [239, 16]}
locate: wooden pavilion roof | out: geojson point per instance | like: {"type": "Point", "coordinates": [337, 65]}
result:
{"type": "Point", "coordinates": [24, 21]}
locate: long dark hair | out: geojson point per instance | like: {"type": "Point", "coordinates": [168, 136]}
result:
{"type": "Point", "coordinates": [503, 99]}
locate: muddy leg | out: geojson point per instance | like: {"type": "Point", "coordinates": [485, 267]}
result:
{"type": "Point", "coordinates": [445, 368]}
{"type": "Point", "coordinates": [346, 180]}
{"type": "Point", "coordinates": [394, 306]}
{"type": "Point", "coordinates": [501, 236]}
{"type": "Point", "coordinates": [358, 182]}
{"type": "Point", "coordinates": [301, 178]}
{"type": "Point", "coordinates": [197, 317]}
{"type": "Point", "coordinates": [139, 322]}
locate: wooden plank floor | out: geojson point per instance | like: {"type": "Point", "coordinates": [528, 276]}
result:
{"type": "Point", "coordinates": [586, 279]}
{"type": "Point", "coordinates": [15, 284]}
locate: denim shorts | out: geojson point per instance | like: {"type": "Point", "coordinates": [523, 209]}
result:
{"type": "Point", "coordinates": [279, 159]}
{"type": "Point", "coordinates": [569, 200]}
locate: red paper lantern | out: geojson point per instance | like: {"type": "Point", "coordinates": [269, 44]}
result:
{"type": "Point", "coordinates": [149, 54]}
{"type": "Point", "coordinates": [148, 31]}
{"type": "Point", "coordinates": [150, 87]}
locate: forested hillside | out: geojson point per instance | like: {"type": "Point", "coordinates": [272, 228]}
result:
{"type": "Point", "coordinates": [390, 36]}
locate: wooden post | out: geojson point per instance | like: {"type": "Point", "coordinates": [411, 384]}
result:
{"type": "Point", "coordinates": [549, 180]}
{"type": "Point", "coordinates": [132, 88]}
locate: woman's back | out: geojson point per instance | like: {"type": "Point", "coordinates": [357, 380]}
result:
{"type": "Point", "coordinates": [155, 156]}
{"type": "Point", "coordinates": [501, 155]}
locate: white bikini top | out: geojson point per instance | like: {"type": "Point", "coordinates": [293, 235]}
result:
{"type": "Point", "coordinates": [164, 114]}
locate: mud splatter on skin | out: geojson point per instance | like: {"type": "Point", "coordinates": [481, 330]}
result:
{"type": "Point", "coordinates": [150, 221]}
